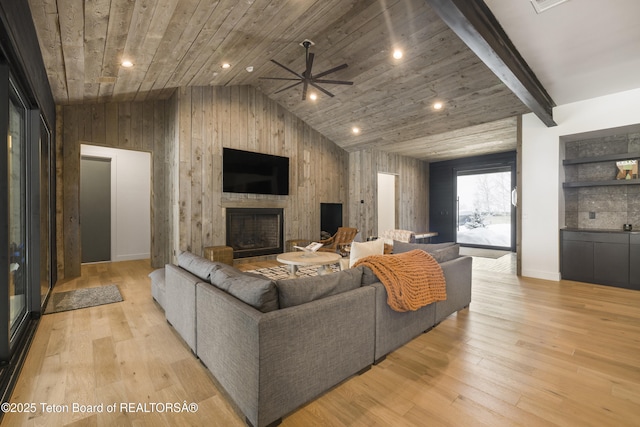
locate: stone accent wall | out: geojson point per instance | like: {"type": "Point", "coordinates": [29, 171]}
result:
{"type": "Point", "coordinates": [601, 207]}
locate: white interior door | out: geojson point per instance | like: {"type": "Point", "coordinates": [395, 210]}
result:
{"type": "Point", "coordinates": [386, 202]}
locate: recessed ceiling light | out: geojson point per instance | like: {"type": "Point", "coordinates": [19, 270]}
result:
{"type": "Point", "coordinates": [397, 54]}
{"type": "Point", "coordinates": [438, 105]}
{"type": "Point", "coordinates": [226, 65]}
{"type": "Point", "coordinates": [249, 69]}
{"type": "Point", "coordinates": [127, 64]}
{"type": "Point", "coordinates": [313, 96]}
{"type": "Point", "coordinates": [355, 130]}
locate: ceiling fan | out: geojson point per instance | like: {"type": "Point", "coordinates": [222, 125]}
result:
{"type": "Point", "coordinates": [307, 78]}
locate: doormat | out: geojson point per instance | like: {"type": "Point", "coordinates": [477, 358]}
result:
{"type": "Point", "coordinates": [483, 253]}
{"type": "Point", "coordinates": [83, 298]}
{"type": "Point", "coordinates": [282, 272]}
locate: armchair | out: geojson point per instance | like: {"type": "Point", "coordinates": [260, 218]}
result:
{"type": "Point", "coordinates": [343, 236]}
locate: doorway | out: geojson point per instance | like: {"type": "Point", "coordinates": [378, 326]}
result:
{"type": "Point", "coordinates": [485, 216]}
{"type": "Point", "coordinates": [130, 204]}
{"type": "Point", "coordinates": [386, 202]}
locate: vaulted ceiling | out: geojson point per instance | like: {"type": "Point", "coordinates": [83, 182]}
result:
{"type": "Point", "coordinates": [174, 43]}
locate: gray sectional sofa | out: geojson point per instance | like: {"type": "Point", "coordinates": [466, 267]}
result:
{"type": "Point", "coordinates": [276, 345]}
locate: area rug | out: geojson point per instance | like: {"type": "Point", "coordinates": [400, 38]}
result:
{"type": "Point", "coordinates": [282, 272]}
{"type": "Point", "coordinates": [83, 298]}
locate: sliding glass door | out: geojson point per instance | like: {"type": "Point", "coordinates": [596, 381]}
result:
{"type": "Point", "coordinates": [17, 206]}
{"type": "Point", "coordinates": [26, 201]}
{"type": "Point", "coordinates": [485, 216]}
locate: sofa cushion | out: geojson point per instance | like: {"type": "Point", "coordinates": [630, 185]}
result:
{"type": "Point", "coordinates": [157, 277]}
{"type": "Point", "coordinates": [292, 292]}
{"type": "Point", "coordinates": [252, 289]}
{"type": "Point", "coordinates": [158, 285]}
{"type": "Point", "coordinates": [361, 250]}
{"type": "Point", "coordinates": [368, 276]}
{"type": "Point", "coordinates": [442, 252]}
{"type": "Point", "coordinates": [197, 265]}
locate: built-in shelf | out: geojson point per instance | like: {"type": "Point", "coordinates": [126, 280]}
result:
{"type": "Point", "coordinates": [601, 183]}
{"type": "Point", "coordinates": [598, 159]}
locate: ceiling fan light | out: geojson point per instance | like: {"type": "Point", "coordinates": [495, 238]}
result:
{"type": "Point", "coordinates": [313, 96]}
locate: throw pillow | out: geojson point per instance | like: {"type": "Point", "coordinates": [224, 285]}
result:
{"type": "Point", "coordinates": [292, 292]}
{"type": "Point", "coordinates": [257, 291]}
{"type": "Point", "coordinates": [446, 254]}
{"type": "Point", "coordinates": [197, 265]}
{"type": "Point", "coordinates": [442, 252]}
{"type": "Point", "coordinates": [400, 247]}
{"type": "Point", "coordinates": [361, 250]}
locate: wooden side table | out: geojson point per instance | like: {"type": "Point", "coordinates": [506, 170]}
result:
{"type": "Point", "coordinates": [222, 254]}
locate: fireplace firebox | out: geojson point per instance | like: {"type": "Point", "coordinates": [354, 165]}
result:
{"type": "Point", "coordinates": [255, 231]}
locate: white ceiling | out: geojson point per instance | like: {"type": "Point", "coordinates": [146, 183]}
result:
{"type": "Point", "coordinates": [580, 49]}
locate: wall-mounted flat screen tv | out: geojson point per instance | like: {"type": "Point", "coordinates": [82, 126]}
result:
{"type": "Point", "coordinates": [255, 173]}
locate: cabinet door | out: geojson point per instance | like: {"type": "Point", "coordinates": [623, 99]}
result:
{"type": "Point", "coordinates": [611, 264]}
{"type": "Point", "coordinates": [577, 260]}
{"type": "Point", "coordinates": [634, 262]}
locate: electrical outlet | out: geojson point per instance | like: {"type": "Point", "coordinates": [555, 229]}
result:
{"type": "Point", "coordinates": [592, 215]}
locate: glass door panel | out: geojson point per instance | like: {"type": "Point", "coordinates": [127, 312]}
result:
{"type": "Point", "coordinates": [16, 141]}
{"type": "Point", "coordinates": [484, 216]}
{"type": "Point", "coordinates": [45, 211]}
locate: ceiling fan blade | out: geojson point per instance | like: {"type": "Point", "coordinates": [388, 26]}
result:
{"type": "Point", "coordinates": [278, 78]}
{"type": "Point", "coordinates": [304, 90]}
{"type": "Point", "coordinates": [288, 87]}
{"type": "Point", "coordinates": [307, 72]}
{"type": "Point", "coordinates": [326, 92]}
{"type": "Point", "coordinates": [333, 70]}
{"type": "Point", "coordinates": [333, 82]}
{"type": "Point", "coordinates": [286, 68]}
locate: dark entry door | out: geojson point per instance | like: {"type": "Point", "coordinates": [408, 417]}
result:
{"type": "Point", "coordinates": [95, 208]}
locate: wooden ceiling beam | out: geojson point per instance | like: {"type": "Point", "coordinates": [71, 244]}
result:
{"type": "Point", "coordinates": [474, 23]}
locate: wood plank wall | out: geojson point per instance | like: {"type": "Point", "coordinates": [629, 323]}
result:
{"type": "Point", "coordinates": [241, 117]}
{"type": "Point", "coordinates": [141, 126]}
{"type": "Point", "coordinates": [412, 190]}
{"type": "Point", "coordinates": [185, 135]}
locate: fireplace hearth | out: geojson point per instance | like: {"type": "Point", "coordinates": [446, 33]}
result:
{"type": "Point", "coordinates": [255, 231]}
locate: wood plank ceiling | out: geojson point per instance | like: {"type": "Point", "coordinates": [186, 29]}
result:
{"type": "Point", "coordinates": [175, 43]}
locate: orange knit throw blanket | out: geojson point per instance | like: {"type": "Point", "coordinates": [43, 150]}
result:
{"type": "Point", "coordinates": [413, 279]}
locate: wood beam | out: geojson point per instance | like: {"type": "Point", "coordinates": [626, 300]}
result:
{"type": "Point", "coordinates": [476, 25]}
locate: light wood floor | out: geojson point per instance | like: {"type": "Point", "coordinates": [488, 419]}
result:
{"type": "Point", "coordinates": [527, 352]}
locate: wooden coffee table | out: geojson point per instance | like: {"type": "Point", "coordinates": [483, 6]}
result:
{"type": "Point", "coordinates": [297, 259]}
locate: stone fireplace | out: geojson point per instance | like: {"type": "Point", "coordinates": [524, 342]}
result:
{"type": "Point", "coordinates": [255, 231]}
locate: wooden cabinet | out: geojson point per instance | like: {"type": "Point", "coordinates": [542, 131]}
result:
{"type": "Point", "coordinates": [603, 257]}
